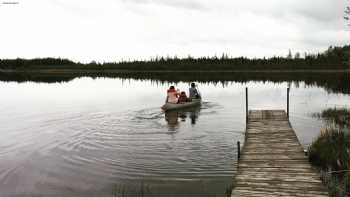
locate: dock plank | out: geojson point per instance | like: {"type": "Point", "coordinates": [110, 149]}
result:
{"type": "Point", "coordinates": [272, 161]}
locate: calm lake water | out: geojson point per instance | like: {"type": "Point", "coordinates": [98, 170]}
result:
{"type": "Point", "coordinates": [104, 137]}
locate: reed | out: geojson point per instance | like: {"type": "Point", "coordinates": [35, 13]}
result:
{"type": "Point", "coordinates": [331, 149]}
{"type": "Point", "coordinates": [337, 116]}
{"type": "Point", "coordinates": [330, 152]}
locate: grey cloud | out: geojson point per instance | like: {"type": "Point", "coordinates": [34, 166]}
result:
{"type": "Point", "coordinates": [72, 8]}
{"type": "Point", "coordinates": [187, 26]}
{"type": "Point", "coordinates": [324, 11]}
{"type": "Point", "coordinates": [318, 10]}
{"type": "Point", "coordinates": [321, 11]}
{"type": "Point", "coordinates": [325, 38]}
{"type": "Point", "coordinates": [187, 4]}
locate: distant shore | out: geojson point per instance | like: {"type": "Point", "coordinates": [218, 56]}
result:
{"type": "Point", "coordinates": [330, 69]}
{"type": "Point", "coordinates": [335, 59]}
{"type": "Point", "coordinates": [118, 71]}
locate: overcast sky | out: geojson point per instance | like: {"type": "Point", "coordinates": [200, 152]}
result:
{"type": "Point", "coordinates": [112, 30]}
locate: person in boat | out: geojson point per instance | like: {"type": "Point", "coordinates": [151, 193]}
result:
{"type": "Point", "coordinates": [194, 94]}
{"type": "Point", "coordinates": [172, 95]}
{"type": "Point", "coordinates": [183, 97]}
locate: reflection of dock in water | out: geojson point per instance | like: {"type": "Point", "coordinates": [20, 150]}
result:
{"type": "Point", "coordinates": [173, 117]}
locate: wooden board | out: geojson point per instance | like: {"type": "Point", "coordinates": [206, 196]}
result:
{"type": "Point", "coordinates": [272, 161]}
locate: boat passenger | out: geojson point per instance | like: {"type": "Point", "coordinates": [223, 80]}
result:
{"type": "Point", "coordinates": [194, 94]}
{"type": "Point", "coordinates": [172, 95]}
{"type": "Point", "coordinates": [183, 97]}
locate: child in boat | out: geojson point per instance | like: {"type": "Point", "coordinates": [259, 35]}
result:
{"type": "Point", "coordinates": [173, 95]}
{"type": "Point", "coordinates": [194, 94]}
{"type": "Point", "coordinates": [183, 97]}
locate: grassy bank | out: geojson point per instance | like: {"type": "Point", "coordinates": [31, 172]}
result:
{"type": "Point", "coordinates": [330, 152]}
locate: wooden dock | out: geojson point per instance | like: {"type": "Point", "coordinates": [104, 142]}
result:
{"type": "Point", "coordinates": [272, 160]}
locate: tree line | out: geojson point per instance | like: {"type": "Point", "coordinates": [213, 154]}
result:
{"type": "Point", "coordinates": [332, 58]}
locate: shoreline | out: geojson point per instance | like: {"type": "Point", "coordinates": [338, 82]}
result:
{"type": "Point", "coordinates": [120, 71]}
{"type": "Point", "coordinates": [333, 80]}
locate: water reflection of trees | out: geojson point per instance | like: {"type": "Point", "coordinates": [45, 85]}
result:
{"type": "Point", "coordinates": [333, 82]}
{"type": "Point", "coordinates": [337, 116]}
{"type": "Point", "coordinates": [173, 117]}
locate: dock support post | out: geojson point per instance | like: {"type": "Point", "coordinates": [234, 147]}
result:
{"type": "Point", "coordinates": [238, 150]}
{"type": "Point", "coordinates": [288, 103]}
{"type": "Point", "coordinates": [246, 104]}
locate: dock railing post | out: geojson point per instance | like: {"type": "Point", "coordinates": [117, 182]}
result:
{"type": "Point", "coordinates": [288, 103]}
{"type": "Point", "coordinates": [246, 104]}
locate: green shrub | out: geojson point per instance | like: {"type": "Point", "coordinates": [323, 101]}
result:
{"type": "Point", "coordinates": [331, 149]}
{"type": "Point", "coordinates": [347, 182]}
{"type": "Point", "coordinates": [331, 152]}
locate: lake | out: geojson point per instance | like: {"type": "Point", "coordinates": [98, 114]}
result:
{"type": "Point", "coordinates": [108, 136]}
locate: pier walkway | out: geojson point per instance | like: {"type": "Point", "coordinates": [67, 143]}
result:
{"type": "Point", "coordinates": [272, 161]}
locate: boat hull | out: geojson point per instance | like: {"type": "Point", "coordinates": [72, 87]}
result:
{"type": "Point", "coordinates": [175, 106]}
